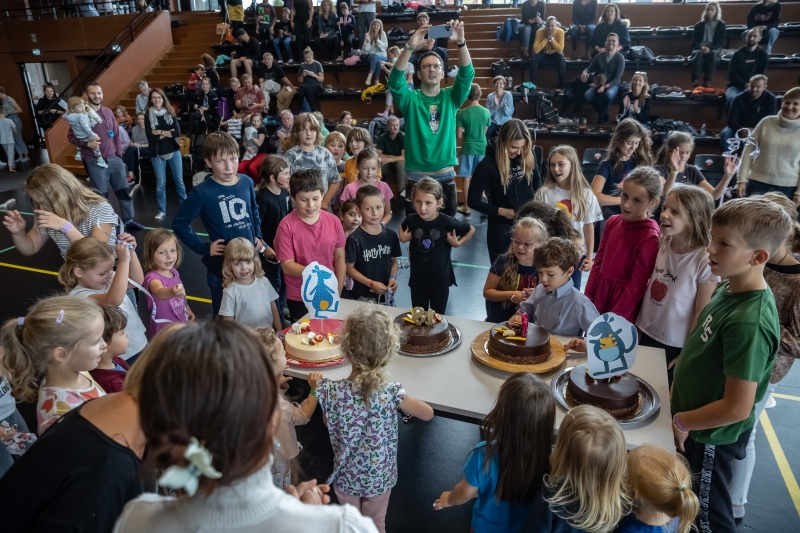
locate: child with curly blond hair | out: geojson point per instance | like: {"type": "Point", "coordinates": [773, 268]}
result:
{"type": "Point", "coordinates": [361, 414]}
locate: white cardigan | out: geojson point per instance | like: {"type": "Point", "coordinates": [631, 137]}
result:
{"type": "Point", "coordinates": [252, 505]}
{"type": "Point", "coordinates": [779, 161]}
{"type": "Point", "coordinates": [378, 47]}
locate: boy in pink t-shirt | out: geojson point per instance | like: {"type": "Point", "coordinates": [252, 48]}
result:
{"type": "Point", "coordinates": [305, 235]}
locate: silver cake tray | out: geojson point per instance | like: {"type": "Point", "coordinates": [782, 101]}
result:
{"type": "Point", "coordinates": [455, 334]}
{"type": "Point", "coordinates": [651, 403]}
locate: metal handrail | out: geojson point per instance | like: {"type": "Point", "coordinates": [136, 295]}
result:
{"type": "Point", "coordinates": [54, 9]}
{"type": "Point", "coordinates": [101, 61]}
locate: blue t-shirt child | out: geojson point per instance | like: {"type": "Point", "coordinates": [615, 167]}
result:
{"type": "Point", "coordinates": [488, 514]}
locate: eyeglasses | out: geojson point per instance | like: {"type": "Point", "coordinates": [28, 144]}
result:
{"type": "Point", "coordinates": [431, 66]}
{"type": "Point", "coordinates": [524, 244]}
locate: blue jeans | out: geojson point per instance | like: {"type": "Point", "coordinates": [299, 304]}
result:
{"type": "Point", "coordinates": [759, 187]}
{"type": "Point", "coordinates": [215, 286]}
{"type": "Point", "coordinates": [601, 101]}
{"type": "Point", "coordinates": [771, 35]}
{"type": "Point", "coordinates": [575, 35]}
{"type": "Point", "coordinates": [730, 94]}
{"type": "Point", "coordinates": [525, 32]}
{"type": "Point", "coordinates": [176, 167]}
{"type": "Point", "coordinates": [285, 41]}
{"type": "Point", "coordinates": [726, 134]}
{"type": "Point", "coordinates": [375, 63]}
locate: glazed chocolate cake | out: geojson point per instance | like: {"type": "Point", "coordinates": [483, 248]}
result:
{"type": "Point", "coordinates": [619, 396]}
{"type": "Point", "coordinates": [531, 350]}
{"type": "Point", "coordinates": [423, 339]}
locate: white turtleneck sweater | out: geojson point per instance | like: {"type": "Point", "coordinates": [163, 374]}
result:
{"type": "Point", "coordinates": [251, 505]}
{"type": "Point", "coordinates": [779, 161]}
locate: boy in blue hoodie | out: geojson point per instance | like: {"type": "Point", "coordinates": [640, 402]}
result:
{"type": "Point", "coordinates": [227, 206]}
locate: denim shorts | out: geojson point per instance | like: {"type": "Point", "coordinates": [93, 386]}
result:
{"type": "Point", "coordinates": [467, 164]}
{"type": "Point", "coordinates": [442, 178]}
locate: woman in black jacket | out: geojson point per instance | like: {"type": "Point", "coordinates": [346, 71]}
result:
{"type": "Point", "coordinates": [329, 40]}
{"type": "Point", "coordinates": [707, 39]}
{"type": "Point", "coordinates": [635, 103]}
{"type": "Point", "coordinates": [204, 109]}
{"type": "Point", "coordinates": [47, 111]}
{"type": "Point", "coordinates": [610, 22]}
{"type": "Point", "coordinates": [161, 126]}
{"type": "Point", "coordinates": [510, 177]}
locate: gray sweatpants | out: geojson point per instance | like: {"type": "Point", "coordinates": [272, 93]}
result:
{"type": "Point", "coordinates": [115, 177]}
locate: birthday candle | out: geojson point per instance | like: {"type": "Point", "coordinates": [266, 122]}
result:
{"type": "Point", "coordinates": [525, 325]}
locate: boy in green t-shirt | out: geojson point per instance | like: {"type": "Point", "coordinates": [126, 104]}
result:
{"type": "Point", "coordinates": [471, 125]}
{"type": "Point", "coordinates": [725, 365]}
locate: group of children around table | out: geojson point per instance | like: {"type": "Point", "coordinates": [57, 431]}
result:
{"type": "Point", "coordinates": [665, 279]}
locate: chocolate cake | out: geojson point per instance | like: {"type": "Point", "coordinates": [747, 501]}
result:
{"type": "Point", "coordinates": [422, 339]}
{"type": "Point", "coordinates": [619, 396]}
{"type": "Point", "coordinates": [533, 349]}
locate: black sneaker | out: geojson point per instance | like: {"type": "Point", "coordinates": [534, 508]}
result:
{"type": "Point", "coordinates": [132, 224]}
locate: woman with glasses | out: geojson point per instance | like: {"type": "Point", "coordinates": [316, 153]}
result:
{"type": "Point", "coordinates": [509, 176]}
{"type": "Point", "coordinates": [163, 130]}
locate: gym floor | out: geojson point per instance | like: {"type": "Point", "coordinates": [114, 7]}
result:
{"type": "Point", "coordinates": [432, 454]}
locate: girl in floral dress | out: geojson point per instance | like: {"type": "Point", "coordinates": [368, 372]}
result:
{"type": "Point", "coordinates": [361, 414]}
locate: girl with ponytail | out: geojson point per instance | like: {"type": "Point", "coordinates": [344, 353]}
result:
{"type": "Point", "coordinates": [660, 486]}
{"type": "Point", "coordinates": [361, 414]}
{"type": "Point", "coordinates": [60, 338]}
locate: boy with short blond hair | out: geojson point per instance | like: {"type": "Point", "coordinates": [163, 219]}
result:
{"type": "Point", "coordinates": [305, 235]}
{"type": "Point", "coordinates": [226, 204]}
{"type": "Point", "coordinates": [556, 305]}
{"type": "Point", "coordinates": [727, 360]}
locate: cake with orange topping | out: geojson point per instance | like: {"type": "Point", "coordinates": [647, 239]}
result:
{"type": "Point", "coordinates": [508, 343]}
{"type": "Point", "coordinates": [423, 332]}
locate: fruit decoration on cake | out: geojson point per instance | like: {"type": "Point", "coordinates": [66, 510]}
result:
{"type": "Point", "coordinates": [519, 344]}
{"type": "Point", "coordinates": [423, 331]}
{"type": "Point", "coordinates": [314, 340]}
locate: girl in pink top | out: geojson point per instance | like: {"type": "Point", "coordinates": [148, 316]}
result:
{"type": "Point", "coordinates": [162, 256]}
{"type": "Point", "coordinates": [628, 248]}
{"type": "Point", "coordinates": [369, 163]}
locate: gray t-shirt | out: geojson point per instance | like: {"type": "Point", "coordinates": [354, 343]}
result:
{"type": "Point", "coordinates": [316, 68]}
{"type": "Point", "coordinates": [320, 159]}
{"type": "Point", "coordinates": [249, 305]}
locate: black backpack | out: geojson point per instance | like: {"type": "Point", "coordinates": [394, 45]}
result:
{"type": "Point", "coordinates": [640, 53]}
{"type": "Point", "coordinates": [396, 33]}
{"type": "Point", "coordinates": [500, 68]}
{"type": "Point", "coordinates": [395, 7]}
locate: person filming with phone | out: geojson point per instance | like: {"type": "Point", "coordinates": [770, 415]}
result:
{"type": "Point", "coordinates": [430, 112]}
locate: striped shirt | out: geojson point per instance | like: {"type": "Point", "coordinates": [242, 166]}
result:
{"type": "Point", "coordinates": [99, 213]}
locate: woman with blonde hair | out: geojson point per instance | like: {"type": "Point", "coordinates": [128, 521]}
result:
{"type": "Point", "coordinates": [635, 103]}
{"type": "Point", "coordinates": [510, 176]}
{"type": "Point", "coordinates": [310, 76]}
{"type": "Point", "coordinates": [708, 38]}
{"type": "Point", "coordinates": [65, 211]}
{"type": "Point", "coordinates": [329, 38]}
{"type": "Point", "coordinates": [375, 44]}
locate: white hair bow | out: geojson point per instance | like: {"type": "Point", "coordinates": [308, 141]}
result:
{"type": "Point", "coordinates": [188, 477]}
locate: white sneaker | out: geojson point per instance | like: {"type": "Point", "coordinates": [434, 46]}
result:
{"type": "Point", "coordinates": [291, 61]}
{"type": "Point", "coordinates": [771, 403]}
{"type": "Point", "coordinates": [78, 157]}
{"type": "Point", "coordinates": [280, 61]}
{"type": "Point", "coordinates": [160, 215]}
{"type": "Point", "coordinates": [452, 73]}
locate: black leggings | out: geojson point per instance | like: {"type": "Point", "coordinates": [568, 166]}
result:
{"type": "Point", "coordinates": [330, 46]}
{"type": "Point", "coordinates": [430, 299]}
{"type": "Point", "coordinates": [311, 94]}
{"type": "Point", "coordinates": [671, 351]}
{"type": "Point", "coordinates": [302, 38]}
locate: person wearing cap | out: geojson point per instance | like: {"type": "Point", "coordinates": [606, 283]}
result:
{"type": "Point", "coordinates": [248, 56]}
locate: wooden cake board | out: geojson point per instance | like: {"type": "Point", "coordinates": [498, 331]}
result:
{"type": "Point", "coordinates": [480, 353]}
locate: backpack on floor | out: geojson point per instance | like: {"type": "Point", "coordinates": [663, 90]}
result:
{"type": "Point", "coordinates": [508, 31]}
{"type": "Point", "coordinates": [184, 145]}
{"type": "Point", "coordinates": [500, 68]}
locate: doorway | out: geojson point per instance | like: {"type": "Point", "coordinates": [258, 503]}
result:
{"type": "Point", "coordinates": [36, 75]}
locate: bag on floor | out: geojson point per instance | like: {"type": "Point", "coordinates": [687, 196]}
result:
{"type": "Point", "coordinates": [509, 31]}
{"type": "Point", "coordinates": [366, 94]}
{"type": "Point", "coordinates": [184, 145]}
{"type": "Point", "coordinates": [545, 112]}
{"type": "Point", "coordinates": [222, 27]}
{"type": "Point", "coordinates": [500, 68]}
{"type": "Point", "coordinates": [395, 7]}
{"type": "Point", "coordinates": [640, 53]}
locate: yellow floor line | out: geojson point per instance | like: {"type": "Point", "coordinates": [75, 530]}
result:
{"type": "Point", "coordinates": [40, 271]}
{"type": "Point", "coordinates": [786, 396]}
{"type": "Point", "coordinates": [780, 458]}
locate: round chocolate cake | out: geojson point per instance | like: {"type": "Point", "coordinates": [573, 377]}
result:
{"type": "Point", "coordinates": [619, 396]}
{"type": "Point", "coordinates": [423, 339]}
{"type": "Point", "coordinates": [532, 350]}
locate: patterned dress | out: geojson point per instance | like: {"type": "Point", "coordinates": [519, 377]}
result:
{"type": "Point", "coordinates": [55, 402]}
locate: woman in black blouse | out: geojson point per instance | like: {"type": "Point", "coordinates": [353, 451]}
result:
{"type": "Point", "coordinates": [707, 39]}
{"type": "Point", "coordinates": [583, 24]}
{"type": "Point", "coordinates": [636, 102]}
{"type": "Point", "coordinates": [329, 39]}
{"type": "Point", "coordinates": [45, 114]}
{"type": "Point", "coordinates": [610, 22]}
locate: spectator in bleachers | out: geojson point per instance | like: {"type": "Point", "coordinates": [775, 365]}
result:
{"type": "Point", "coordinates": [310, 77]}
{"type": "Point", "coordinates": [375, 45]}
{"type": "Point", "coordinates": [548, 47]}
{"type": "Point", "coordinates": [611, 64]}
{"type": "Point", "coordinates": [347, 28]}
{"type": "Point", "coordinates": [346, 118]}
{"type": "Point", "coordinates": [211, 70]}
{"type": "Point", "coordinates": [265, 22]}
{"type": "Point", "coordinates": [635, 103]}
{"type": "Point", "coordinates": [249, 55]}
{"type": "Point", "coordinates": [249, 99]}
{"type": "Point", "coordinates": [203, 116]}
{"type": "Point", "coordinates": [708, 38]}
{"type": "Point", "coordinates": [236, 15]}
{"type": "Point", "coordinates": [137, 150]}
{"type": "Point", "coordinates": [610, 22]}
{"type": "Point", "coordinates": [271, 78]}
{"type": "Point", "coordinates": [391, 148]}
{"type": "Point", "coordinates": [500, 104]}
{"type": "Point", "coordinates": [533, 17]}
{"type": "Point", "coordinates": [430, 45]}
{"type": "Point", "coordinates": [329, 39]}
{"type": "Point", "coordinates": [283, 36]}
{"type": "Point", "coordinates": [746, 62]}
{"type": "Point", "coordinates": [472, 123]}
{"type": "Point", "coordinates": [283, 131]}
{"type": "Point", "coordinates": [365, 15]}
{"type": "Point", "coordinates": [778, 166]}
{"type": "Point", "coordinates": [583, 24]}
{"type": "Point", "coordinates": [749, 108]}
{"type": "Point", "coordinates": [143, 97]}
{"type": "Point", "coordinates": [430, 113]}
{"type": "Point", "coordinates": [301, 17]}
{"type": "Point", "coordinates": [766, 16]}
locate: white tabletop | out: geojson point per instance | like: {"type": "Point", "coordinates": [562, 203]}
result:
{"type": "Point", "coordinates": [456, 383]}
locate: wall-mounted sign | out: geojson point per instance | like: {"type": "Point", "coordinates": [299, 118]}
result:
{"type": "Point", "coordinates": [37, 52]}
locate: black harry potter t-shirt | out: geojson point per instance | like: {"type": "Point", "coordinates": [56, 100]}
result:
{"type": "Point", "coordinates": [429, 251]}
{"type": "Point", "coordinates": [372, 257]}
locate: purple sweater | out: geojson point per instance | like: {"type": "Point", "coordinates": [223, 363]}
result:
{"type": "Point", "coordinates": [109, 147]}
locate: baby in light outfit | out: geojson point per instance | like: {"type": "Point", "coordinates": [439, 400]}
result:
{"type": "Point", "coordinates": [83, 119]}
